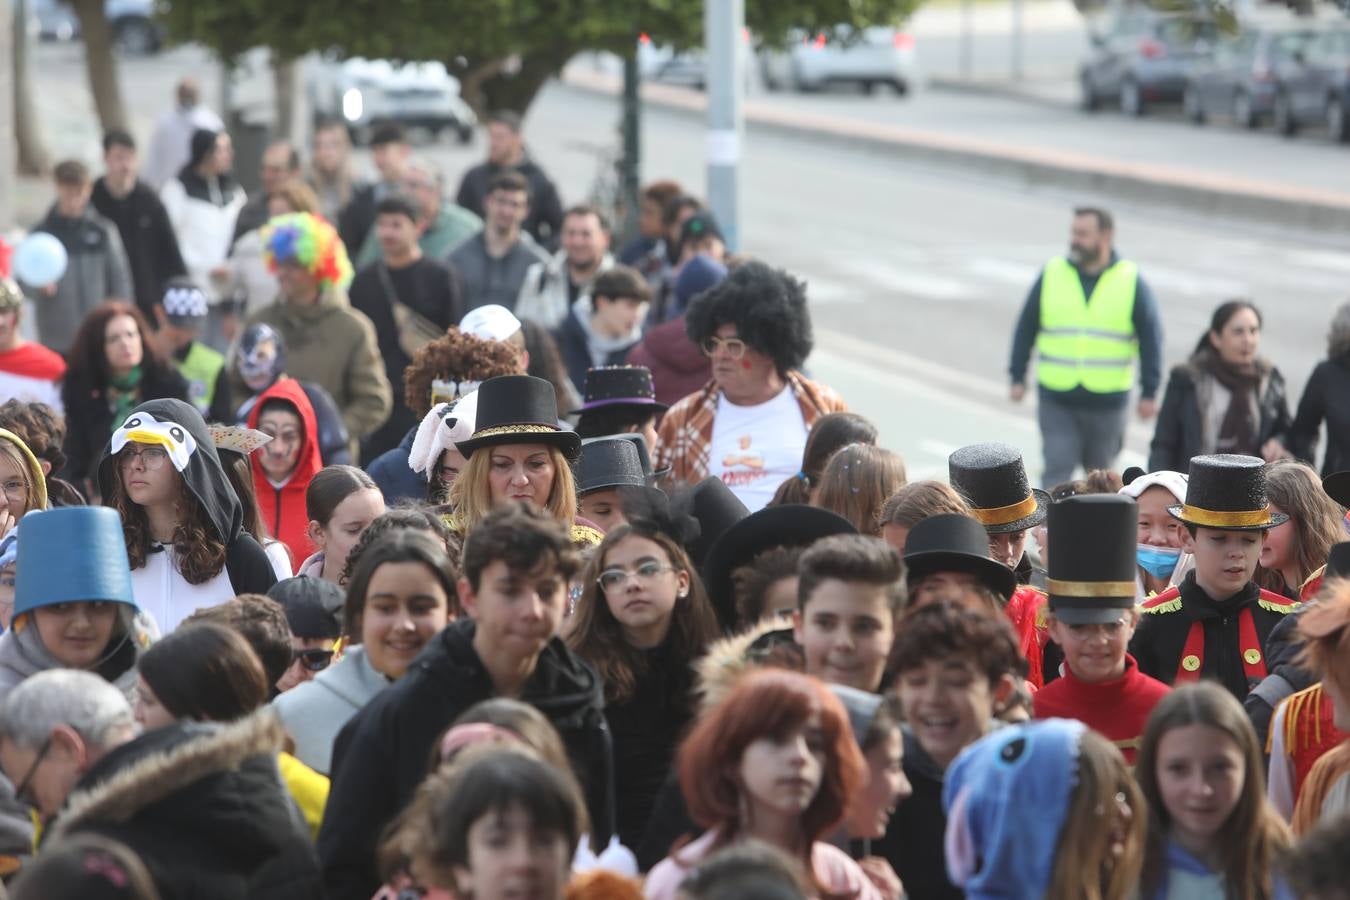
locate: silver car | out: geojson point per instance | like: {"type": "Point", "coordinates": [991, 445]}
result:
{"type": "Point", "coordinates": [876, 56]}
{"type": "Point", "coordinates": [364, 93]}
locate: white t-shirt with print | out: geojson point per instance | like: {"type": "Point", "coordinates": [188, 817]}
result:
{"type": "Point", "coordinates": [755, 448]}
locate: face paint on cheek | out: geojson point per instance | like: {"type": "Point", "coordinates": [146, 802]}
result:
{"type": "Point", "coordinates": [745, 364]}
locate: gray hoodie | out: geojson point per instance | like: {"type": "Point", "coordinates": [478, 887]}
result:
{"type": "Point", "coordinates": [314, 712]}
{"type": "Point", "coordinates": [97, 270]}
{"type": "Point", "coordinates": [22, 654]}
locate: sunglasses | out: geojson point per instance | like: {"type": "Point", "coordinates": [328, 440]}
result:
{"type": "Point", "coordinates": [314, 660]}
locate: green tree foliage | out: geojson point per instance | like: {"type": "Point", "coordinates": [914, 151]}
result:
{"type": "Point", "coordinates": [503, 51]}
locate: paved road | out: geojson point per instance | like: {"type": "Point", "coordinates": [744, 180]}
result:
{"type": "Point", "coordinates": [915, 274]}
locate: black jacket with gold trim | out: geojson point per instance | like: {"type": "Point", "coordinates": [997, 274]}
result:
{"type": "Point", "coordinates": [1166, 621]}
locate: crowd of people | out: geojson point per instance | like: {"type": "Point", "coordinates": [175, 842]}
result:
{"type": "Point", "coordinates": [359, 542]}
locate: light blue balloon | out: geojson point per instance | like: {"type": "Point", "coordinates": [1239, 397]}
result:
{"type": "Point", "coordinates": [40, 259]}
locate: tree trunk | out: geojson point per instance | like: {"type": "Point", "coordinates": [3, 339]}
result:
{"type": "Point", "coordinates": [517, 91]}
{"type": "Point", "coordinates": [100, 63]}
{"type": "Point", "coordinates": [283, 87]}
{"type": "Point", "coordinates": [33, 156]}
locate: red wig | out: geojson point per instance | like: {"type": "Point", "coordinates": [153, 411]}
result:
{"type": "Point", "coordinates": [768, 703]}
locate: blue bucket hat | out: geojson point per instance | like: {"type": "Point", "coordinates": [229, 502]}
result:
{"type": "Point", "coordinates": [49, 573]}
{"type": "Point", "coordinates": [1006, 797]}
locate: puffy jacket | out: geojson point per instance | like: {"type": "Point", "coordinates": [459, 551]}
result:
{"type": "Point", "coordinates": [677, 364]}
{"type": "Point", "coordinates": [1181, 431]}
{"type": "Point", "coordinates": [381, 755]}
{"type": "Point", "coordinates": [332, 345]}
{"type": "Point", "coordinates": [283, 508]}
{"type": "Point", "coordinates": [203, 212]}
{"type": "Point", "coordinates": [204, 807]}
{"type": "Point", "coordinates": [545, 296]}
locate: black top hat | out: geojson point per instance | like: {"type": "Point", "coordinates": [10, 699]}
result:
{"type": "Point", "coordinates": [993, 480]}
{"type": "Point", "coordinates": [1227, 491]}
{"type": "Point", "coordinates": [1092, 557]}
{"type": "Point", "coordinates": [644, 455]}
{"type": "Point", "coordinates": [955, 543]}
{"type": "Point", "coordinates": [715, 507]}
{"type": "Point", "coordinates": [789, 525]}
{"type": "Point", "coordinates": [1337, 487]}
{"type": "Point", "coordinates": [619, 386]}
{"type": "Point", "coordinates": [519, 409]}
{"type": "Point", "coordinates": [609, 462]}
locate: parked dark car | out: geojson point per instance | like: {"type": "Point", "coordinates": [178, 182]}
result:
{"type": "Point", "coordinates": [1143, 57]}
{"type": "Point", "coordinates": [1320, 94]}
{"type": "Point", "coordinates": [1248, 78]}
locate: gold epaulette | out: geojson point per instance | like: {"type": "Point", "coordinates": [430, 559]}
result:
{"type": "Point", "coordinates": [1295, 705]}
{"type": "Point", "coordinates": [1153, 608]}
{"type": "Point", "coordinates": [585, 534]}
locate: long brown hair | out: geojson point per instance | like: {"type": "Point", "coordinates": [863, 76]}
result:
{"type": "Point", "coordinates": [598, 637]}
{"type": "Point", "coordinates": [1294, 487]}
{"type": "Point", "coordinates": [830, 433]}
{"type": "Point", "coordinates": [199, 554]}
{"type": "Point", "coordinates": [88, 356]}
{"type": "Point", "coordinates": [856, 482]}
{"type": "Point", "coordinates": [1085, 867]}
{"type": "Point", "coordinates": [1254, 835]}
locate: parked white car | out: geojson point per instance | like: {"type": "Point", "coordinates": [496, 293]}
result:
{"type": "Point", "coordinates": [878, 56]}
{"type": "Point", "coordinates": [364, 93]}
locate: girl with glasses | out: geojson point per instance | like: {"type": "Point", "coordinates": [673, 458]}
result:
{"type": "Point", "coordinates": [182, 522]}
{"type": "Point", "coordinates": [641, 622]}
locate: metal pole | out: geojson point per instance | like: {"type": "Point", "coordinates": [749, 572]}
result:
{"type": "Point", "coordinates": [967, 39]}
{"type": "Point", "coordinates": [8, 149]}
{"type": "Point", "coordinates": [632, 145]}
{"type": "Point", "coordinates": [723, 25]}
{"type": "Point", "coordinates": [1017, 40]}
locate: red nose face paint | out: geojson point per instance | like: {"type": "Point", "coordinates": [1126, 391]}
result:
{"type": "Point", "coordinates": [745, 364]}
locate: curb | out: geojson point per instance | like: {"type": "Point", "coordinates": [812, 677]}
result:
{"type": "Point", "coordinates": [1192, 190]}
{"type": "Point", "coordinates": [977, 88]}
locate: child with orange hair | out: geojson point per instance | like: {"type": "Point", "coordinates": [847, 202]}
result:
{"type": "Point", "coordinates": [775, 761]}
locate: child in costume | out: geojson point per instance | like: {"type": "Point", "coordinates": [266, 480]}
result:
{"type": "Point", "coordinates": [992, 478]}
{"type": "Point", "coordinates": [1325, 628]}
{"type": "Point", "coordinates": [1043, 811]}
{"type": "Point", "coordinates": [1092, 616]}
{"type": "Point", "coordinates": [1216, 623]}
{"type": "Point", "coordinates": [1211, 832]}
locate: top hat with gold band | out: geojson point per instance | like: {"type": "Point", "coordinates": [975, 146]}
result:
{"type": "Point", "coordinates": [1227, 491]}
{"type": "Point", "coordinates": [1092, 558]}
{"type": "Point", "coordinates": [519, 409]}
{"type": "Point", "coordinates": [993, 480]}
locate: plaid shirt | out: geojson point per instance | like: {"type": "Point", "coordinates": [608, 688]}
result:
{"type": "Point", "coordinates": [684, 440]}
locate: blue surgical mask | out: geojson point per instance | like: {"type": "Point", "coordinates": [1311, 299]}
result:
{"type": "Point", "coordinates": [1157, 561]}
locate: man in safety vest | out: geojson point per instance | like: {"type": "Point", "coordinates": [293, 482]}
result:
{"type": "Point", "coordinates": [1088, 316]}
{"type": "Point", "coordinates": [181, 316]}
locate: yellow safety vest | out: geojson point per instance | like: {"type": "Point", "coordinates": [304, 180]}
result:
{"type": "Point", "coordinates": [1083, 342]}
{"type": "Point", "coordinates": [200, 370]}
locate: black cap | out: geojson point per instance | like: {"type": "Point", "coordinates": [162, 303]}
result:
{"type": "Point", "coordinates": [609, 462]}
{"type": "Point", "coordinates": [993, 480]}
{"type": "Point", "coordinates": [700, 225]}
{"type": "Point", "coordinates": [1227, 491]}
{"type": "Point", "coordinates": [951, 542]}
{"type": "Point", "coordinates": [1092, 565]}
{"type": "Point", "coordinates": [313, 606]}
{"type": "Point", "coordinates": [519, 409]}
{"type": "Point", "coordinates": [790, 525]}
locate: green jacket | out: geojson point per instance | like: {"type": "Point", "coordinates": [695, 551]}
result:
{"type": "Point", "coordinates": [332, 345]}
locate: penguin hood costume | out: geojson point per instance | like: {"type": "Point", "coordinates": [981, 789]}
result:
{"type": "Point", "coordinates": [160, 586]}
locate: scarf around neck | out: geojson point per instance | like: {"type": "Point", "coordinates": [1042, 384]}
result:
{"type": "Point", "coordinates": [1238, 430]}
{"type": "Point", "coordinates": [124, 395]}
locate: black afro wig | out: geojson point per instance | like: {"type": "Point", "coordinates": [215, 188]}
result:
{"type": "Point", "coordinates": [768, 308]}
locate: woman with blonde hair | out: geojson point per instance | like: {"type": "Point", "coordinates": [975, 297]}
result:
{"type": "Point", "coordinates": [518, 453]}
{"type": "Point", "coordinates": [856, 483]}
{"type": "Point", "coordinates": [1294, 551]}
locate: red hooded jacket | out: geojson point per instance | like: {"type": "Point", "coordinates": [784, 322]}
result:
{"type": "Point", "coordinates": [283, 509]}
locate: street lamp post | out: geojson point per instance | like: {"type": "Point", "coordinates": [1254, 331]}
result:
{"type": "Point", "coordinates": [723, 25]}
{"type": "Point", "coordinates": [8, 154]}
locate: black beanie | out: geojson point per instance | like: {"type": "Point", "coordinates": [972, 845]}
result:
{"type": "Point", "coordinates": [203, 142]}
{"type": "Point", "coordinates": [313, 606]}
